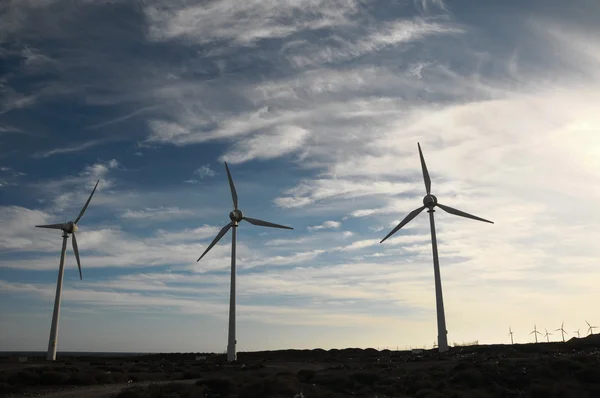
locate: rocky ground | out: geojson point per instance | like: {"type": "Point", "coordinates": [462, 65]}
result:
{"type": "Point", "coordinates": [570, 369]}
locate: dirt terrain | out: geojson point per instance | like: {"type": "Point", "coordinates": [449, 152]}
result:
{"type": "Point", "coordinates": [570, 369]}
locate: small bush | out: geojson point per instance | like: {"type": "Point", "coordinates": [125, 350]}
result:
{"type": "Point", "coordinates": [306, 375]}
{"type": "Point", "coordinates": [53, 378]}
{"type": "Point", "coordinates": [367, 378]}
{"type": "Point", "coordinates": [589, 375]}
{"type": "Point", "coordinates": [270, 387]}
{"type": "Point", "coordinates": [220, 385]}
{"type": "Point", "coordinates": [6, 388]}
{"type": "Point", "coordinates": [470, 377]}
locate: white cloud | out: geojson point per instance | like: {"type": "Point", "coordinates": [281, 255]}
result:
{"type": "Point", "coordinates": [245, 23]}
{"type": "Point", "coordinates": [71, 149]}
{"type": "Point", "coordinates": [204, 171]}
{"type": "Point", "coordinates": [325, 225]}
{"type": "Point", "coordinates": [281, 141]}
{"type": "Point", "coordinates": [159, 213]}
{"type": "Point", "coordinates": [390, 34]}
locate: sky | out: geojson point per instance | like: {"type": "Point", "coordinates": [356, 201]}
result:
{"type": "Point", "coordinates": [317, 106]}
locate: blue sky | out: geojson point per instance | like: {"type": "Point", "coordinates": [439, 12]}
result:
{"type": "Point", "coordinates": [317, 106]}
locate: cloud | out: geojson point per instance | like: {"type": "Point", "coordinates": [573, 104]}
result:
{"type": "Point", "coordinates": [76, 148]}
{"type": "Point", "coordinates": [204, 171]}
{"type": "Point", "coordinates": [247, 23]}
{"type": "Point", "coordinates": [325, 225]}
{"type": "Point", "coordinates": [159, 213]}
{"type": "Point", "coordinates": [390, 34]}
{"type": "Point", "coordinates": [282, 141]}
{"type": "Point", "coordinates": [72, 191]}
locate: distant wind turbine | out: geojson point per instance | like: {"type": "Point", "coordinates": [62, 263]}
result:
{"type": "Point", "coordinates": [236, 217]}
{"type": "Point", "coordinates": [535, 333]}
{"type": "Point", "coordinates": [510, 333]}
{"type": "Point", "coordinates": [430, 201]}
{"type": "Point", "coordinates": [577, 331]}
{"type": "Point", "coordinates": [67, 228]}
{"type": "Point", "coordinates": [562, 331]}
{"type": "Point", "coordinates": [591, 328]}
{"type": "Point", "coordinates": [547, 335]}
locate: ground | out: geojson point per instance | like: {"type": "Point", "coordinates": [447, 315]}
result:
{"type": "Point", "coordinates": [570, 369]}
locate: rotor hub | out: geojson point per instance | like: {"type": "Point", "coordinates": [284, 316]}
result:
{"type": "Point", "coordinates": [71, 227]}
{"type": "Point", "coordinates": [236, 216]}
{"type": "Point", "coordinates": [430, 201]}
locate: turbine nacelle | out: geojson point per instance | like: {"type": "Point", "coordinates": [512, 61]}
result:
{"type": "Point", "coordinates": [71, 227]}
{"type": "Point", "coordinates": [236, 216]}
{"type": "Point", "coordinates": [429, 201]}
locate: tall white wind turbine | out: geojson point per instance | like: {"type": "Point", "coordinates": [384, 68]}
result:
{"type": "Point", "coordinates": [236, 217]}
{"type": "Point", "coordinates": [69, 228]}
{"type": "Point", "coordinates": [510, 333]}
{"type": "Point", "coordinates": [430, 201]}
{"type": "Point", "coordinates": [535, 333]}
{"type": "Point", "coordinates": [578, 335]}
{"type": "Point", "coordinates": [591, 328]}
{"type": "Point", "coordinates": [562, 331]}
{"type": "Point", "coordinates": [547, 335]}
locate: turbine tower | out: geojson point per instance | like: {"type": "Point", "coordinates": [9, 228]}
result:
{"type": "Point", "coordinates": [591, 328]}
{"type": "Point", "coordinates": [510, 333]}
{"type": "Point", "coordinates": [547, 335]}
{"type": "Point", "coordinates": [577, 331]}
{"type": "Point", "coordinates": [562, 331]}
{"type": "Point", "coordinates": [68, 228]}
{"type": "Point", "coordinates": [430, 201]}
{"type": "Point", "coordinates": [236, 217]}
{"type": "Point", "coordinates": [535, 333]}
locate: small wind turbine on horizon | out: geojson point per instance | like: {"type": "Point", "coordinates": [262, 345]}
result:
{"type": "Point", "coordinates": [236, 217]}
{"type": "Point", "coordinates": [430, 201]}
{"type": "Point", "coordinates": [510, 333]}
{"type": "Point", "coordinates": [591, 328]}
{"type": "Point", "coordinates": [68, 228]}
{"type": "Point", "coordinates": [535, 333]}
{"type": "Point", "coordinates": [577, 331]}
{"type": "Point", "coordinates": [547, 335]}
{"type": "Point", "coordinates": [562, 331]}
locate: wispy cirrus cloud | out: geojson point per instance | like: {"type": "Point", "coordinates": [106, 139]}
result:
{"type": "Point", "coordinates": [247, 23]}
{"type": "Point", "coordinates": [71, 149]}
{"type": "Point", "coordinates": [159, 213]}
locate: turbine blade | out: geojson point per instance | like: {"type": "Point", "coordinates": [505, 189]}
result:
{"type": "Point", "coordinates": [425, 172]}
{"type": "Point", "coordinates": [51, 226]}
{"type": "Point", "coordinates": [588, 323]}
{"type": "Point", "coordinates": [261, 223]}
{"type": "Point", "coordinates": [461, 213]}
{"type": "Point", "coordinates": [406, 220]}
{"type": "Point", "coordinates": [76, 251]}
{"type": "Point", "coordinates": [217, 238]}
{"type": "Point", "coordinates": [86, 204]}
{"type": "Point", "coordinates": [232, 187]}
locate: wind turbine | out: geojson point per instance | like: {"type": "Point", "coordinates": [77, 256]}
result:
{"type": "Point", "coordinates": [535, 333]}
{"type": "Point", "coordinates": [430, 201]}
{"type": "Point", "coordinates": [236, 217]}
{"type": "Point", "coordinates": [562, 331]}
{"type": "Point", "coordinates": [591, 328]}
{"type": "Point", "coordinates": [577, 331]}
{"type": "Point", "coordinates": [510, 333]}
{"type": "Point", "coordinates": [67, 228]}
{"type": "Point", "coordinates": [547, 335]}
